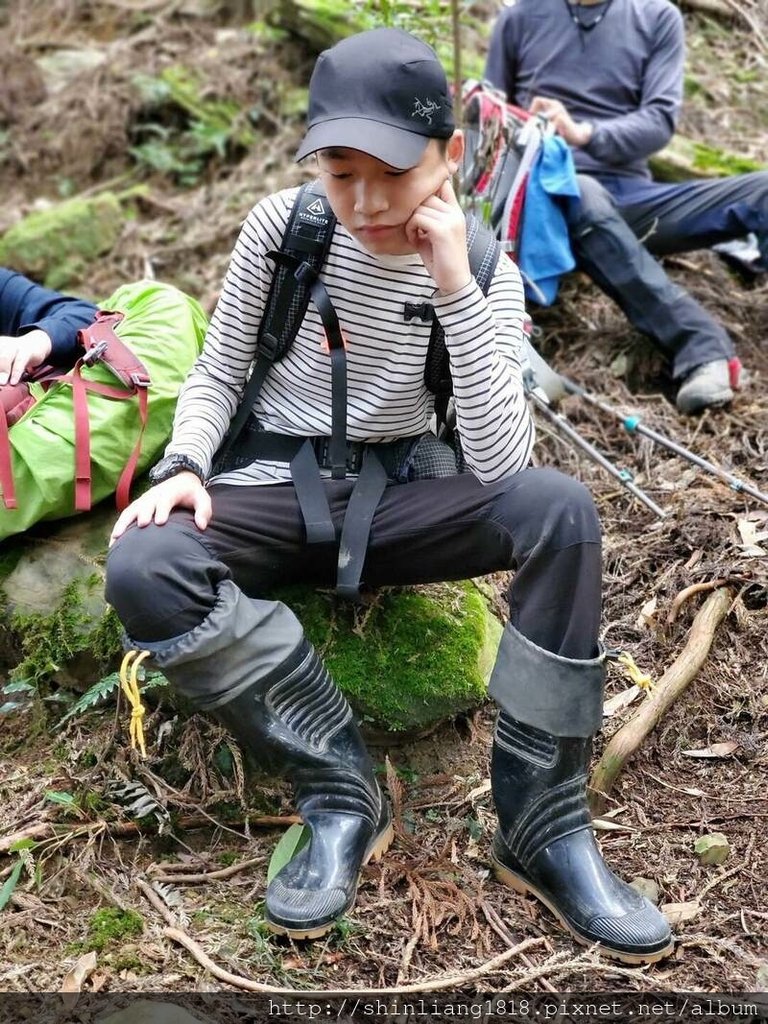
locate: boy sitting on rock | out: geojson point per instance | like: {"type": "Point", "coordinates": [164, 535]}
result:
{"type": "Point", "coordinates": [195, 558]}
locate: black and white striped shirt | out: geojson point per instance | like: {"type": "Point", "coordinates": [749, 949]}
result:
{"type": "Point", "coordinates": [386, 354]}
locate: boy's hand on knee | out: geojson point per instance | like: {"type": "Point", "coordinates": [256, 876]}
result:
{"type": "Point", "coordinates": [184, 490]}
{"type": "Point", "coordinates": [437, 230]}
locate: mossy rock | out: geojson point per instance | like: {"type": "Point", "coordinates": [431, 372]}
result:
{"type": "Point", "coordinates": [411, 658]}
{"type": "Point", "coordinates": [684, 158]}
{"type": "Point", "coordinates": [54, 620]}
{"type": "Point", "coordinates": [319, 23]}
{"type": "Point", "coordinates": [55, 245]}
{"type": "Point", "coordinates": [408, 660]}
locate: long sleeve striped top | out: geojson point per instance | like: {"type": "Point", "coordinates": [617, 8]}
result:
{"type": "Point", "coordinates": [386, 354]}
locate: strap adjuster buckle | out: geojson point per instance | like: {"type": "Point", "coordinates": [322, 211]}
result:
{"type": "Point", "coordinates": [354, 459]}
{"type": "Point", "coordinates": [95, 353]}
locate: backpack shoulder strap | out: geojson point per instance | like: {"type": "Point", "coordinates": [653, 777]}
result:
{"type": "Point", "coordinates": [307, 239]}
{"type": "Point", "coordinates": [483, 250]}
{"type": "Point", "coordinates": [100, 344]}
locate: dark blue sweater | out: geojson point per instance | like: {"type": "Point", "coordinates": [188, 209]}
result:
{"type": "Point", "coordinates": [25, 306]}
{"type": "Point", "coordinates": [625, 75]}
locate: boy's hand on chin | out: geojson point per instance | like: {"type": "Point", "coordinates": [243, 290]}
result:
{"type": "Point", "coordinates": [437, 231]}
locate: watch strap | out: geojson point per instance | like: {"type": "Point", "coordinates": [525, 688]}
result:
{"type": "Point", "coordinates": [173, 464]}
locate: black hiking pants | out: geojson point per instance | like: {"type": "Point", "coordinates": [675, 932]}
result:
{"type": "Point", "coordinates": [164, 581]}
{"type": "Point", "coordinates": [623, 223]}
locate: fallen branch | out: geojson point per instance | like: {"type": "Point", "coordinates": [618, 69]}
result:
{"type": "Point", "coordinates": [54, 830]}
{"type": "Point", "coordinates": [442, 982]}
{"type": "Point", "coordinates": [497, 925]}
{"type": "Point", "coordinates": [672, 684]}
{"type": "Point", "coordinates": [688, 592]}
{"type": "Point", "coordinates": [165, 912]}
{"type": "Point", "coordinates": [205, 876]}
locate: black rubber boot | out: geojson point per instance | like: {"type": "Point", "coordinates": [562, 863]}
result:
{"type": "Point", "coordinates": [545, 844]}
{"type": "Point", "coordinates": [297, 724]}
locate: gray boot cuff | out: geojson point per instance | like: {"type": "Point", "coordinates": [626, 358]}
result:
{"type": "Point", "coordinates": [561, 696]}
{"type": "Point", "coordinates": [242, 640]}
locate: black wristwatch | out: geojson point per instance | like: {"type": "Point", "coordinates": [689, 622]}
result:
{"type": "Point", "coordinates": [173, 464]}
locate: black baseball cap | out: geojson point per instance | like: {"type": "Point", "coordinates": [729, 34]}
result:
{"type": "Point", "coordinates": [383, 92]}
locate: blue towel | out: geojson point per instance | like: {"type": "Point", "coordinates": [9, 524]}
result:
{"type": "Point", "coordinates": [545, 248]}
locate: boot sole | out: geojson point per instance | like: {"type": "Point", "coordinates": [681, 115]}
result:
{"type": "Point", "coordinates": [378, 848]}
{"type": "Point", "coordinates": [509, 878]}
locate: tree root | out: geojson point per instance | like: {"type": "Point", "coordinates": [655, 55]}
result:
{"type": "Point", "coordinates": [52, 830]}
{"type": "Point", "coordinates": [671, 685]}
{"type": "Point", "coordinates": [441, 983]}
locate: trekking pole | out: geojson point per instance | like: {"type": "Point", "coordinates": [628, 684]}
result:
{"type": "Point", "coordinates": [622, 475]}
{"type": "Point", "coordinates": [633, 425]}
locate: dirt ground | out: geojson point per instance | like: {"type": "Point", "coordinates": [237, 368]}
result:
{"type": "Point", "coordinates": [429, 910]}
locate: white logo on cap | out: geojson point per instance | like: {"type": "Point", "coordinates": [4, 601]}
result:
{"type": "Point", "coordinates": [424, 109]}
{"type": "Point", "coordinates": [317, 207]}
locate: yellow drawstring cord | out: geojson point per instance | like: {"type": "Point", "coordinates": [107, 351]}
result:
{"type": "Point", "coordinates": [130, 686]}
{"type": "Point", "coordinates": [638, 677]}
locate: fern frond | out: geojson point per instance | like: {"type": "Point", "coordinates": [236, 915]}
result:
{"type": "Point", "coordinates": [140, 803]}
{"type": "Point", "coordinates": [104, 688]}
{"type": "Point", "coordinates": [173, 899]}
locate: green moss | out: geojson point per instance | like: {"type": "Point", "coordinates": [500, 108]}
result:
{"type": "Point", "coordinates": [717, 162]}
{"type": "Point", "coordinates": [684, 158]}
{"type": "Point", "coordinates": [130, 961]}
{"type": "Point", "coordinates": [210, 125]}
{"type": "Point", "coordinates": [322, 22]}
{"type": "Point", "coordinates": [213, 117]}
{"type": "Point", "coordinates": [411, 659]}
{"type": "Point", "coordinates": [106, 640]}
{"type": "Point", "coordinates": [48, 641]}
{"type": "Point", "coordinates": [57, 244]}
{"type": "Point", "coordinates": [111, 924]}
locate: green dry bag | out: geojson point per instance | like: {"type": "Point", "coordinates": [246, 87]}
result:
{"type": "Point", "coordinates": [163, 329]}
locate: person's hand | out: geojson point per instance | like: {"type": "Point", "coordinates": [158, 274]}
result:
{"type": "Point", "coordinates": [575, 133]}
{"type": "Point", "coordinates": [437, 231]}
{"type": "Point", "coordinates": [24, 353]}
{"type": "Point", "coordinates": [184, 490]}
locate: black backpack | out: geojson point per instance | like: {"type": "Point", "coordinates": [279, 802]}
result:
{"type": "Point", "coordinates": [302, 253]}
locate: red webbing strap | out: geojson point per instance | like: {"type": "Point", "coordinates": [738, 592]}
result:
{"type": "Point", "coordinates": [103, 345]}
{"type": "Point", "coordinates": [515, 216]}
{"type": "Point", "coordinates": [123, 492]}
{"type": "Point", "coordinates": [114, 353]}
{"type": "Point", "coordinates": [6, 467]}
{"type": "Point", "coordinates": [80, 389]}
{"type": "Point", "coordinates": [82, 441]}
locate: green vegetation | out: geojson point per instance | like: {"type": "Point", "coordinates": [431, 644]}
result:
{"type": "Point", "coordinates": [181, 131]}
{"type": "Point", "coordinates": [58, 244]}
{"type": "Point", "coordinates": [48, 641]}
{"type": "Point", "coordinates": [684, 158]}
{"type": "Point", "coordinates": [109, 925]}
{"type": "Point", "coordinates": [410, 659]}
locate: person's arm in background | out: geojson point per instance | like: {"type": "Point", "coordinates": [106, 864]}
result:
{"type": "Point", "coordinates": [37, 325]}
{"type": "Point", "coordinates": [638, 134]}
{"type": "Point", "coordinates": [500, 62]}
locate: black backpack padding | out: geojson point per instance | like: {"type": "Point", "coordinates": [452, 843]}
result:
{"type": "Point", "coordinates": [483, 250]}
{"type": "Point", "coordinates": [307, 239]}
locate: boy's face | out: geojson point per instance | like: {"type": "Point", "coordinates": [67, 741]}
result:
{"type": "Point", "coordinates": [375, 201]}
